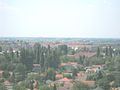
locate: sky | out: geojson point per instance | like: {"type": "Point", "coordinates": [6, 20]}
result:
{"type": "Point", "coordinates": [60, 18]}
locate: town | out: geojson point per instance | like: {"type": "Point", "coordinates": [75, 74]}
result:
{"type": "Point", "coordinates": [59, 64]}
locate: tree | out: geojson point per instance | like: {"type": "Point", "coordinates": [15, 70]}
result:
{"type": "Point", "coordinates": [6, 74]}
{"type": "Point", "coordinates": [54, 88]}
{"type": "Point", "coordinates": [116, 75]}
{"type": "Point", "coordinates": [80, 60]}
{"type": "Point", "coordinates": [74, 72]}
{"type": "Point", "coordinates": [10, 67]}
{"type": "Point", "coordinates": [99, 74]}
{"type": "Point", "coordinates": [37, 51]}
{"type": "Point", "coordinates": [98, 52]}
{"type": "Point", "coordinates": [26, 58]}
{"type": "Point", "coordinates": [50, 74]}
{"type": "Point", "coordinates": [45, 87]}
{"type": "Point", "coordinates": [2, 87]}
{"type": "Point", "coordinates": [7, 56]}
{"type": "Point", "coordinates": [4, 66]}
{"type": "Point", "coordinates": [21, 86]}
{"type": "Point", "coordinates": [63, 49]}
{"type": "Point", "coordinates": [104, 83]}
{"type": "Point", "coordinates": [80, 86]}
{"type": "Point", "coordinates": [11, 53]}
{"type": "Point", "coordinates": [110, 51]}
{"type": "Point", "coordinates": [54, 59]}
{"type": "Point", "coordinates": [20, 68]}
{"type": "Point", "coordinates": [106, 51]}
{"type": "Point", "coordinates": [31, 84]}
{"type": "Point", "coordinates": [42, 61]}
{"type": "Point", "coordinates": [12, 77]}
{"type": "Point", "coordinates": [0, 49]}
{"type": "Point", "coordinates": [17, 54]}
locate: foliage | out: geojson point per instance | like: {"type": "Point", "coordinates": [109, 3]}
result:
{"type": "Point", "coordinates": [2, 87]}
{"type": "Point", "coordinates": [67, 76]}
{"type": "Point", "coordinates": [26, 57]}
{"type": "Point", "coordinates": [63, 49]}
{"type": "Point", "coordinates": [79, 86]}
{"type": "Point", "coordinates": [74, 72]}
{"type": "Point", "coordinates": [45, 87]}
{"type": "Point", "coordinates": [21, 86]}
{"type": "Point", "coordinates": [20, 68]}
{"type": "Point", "coordinates": [6, 74]}
{"type": "Point", "coordinates": [98, 52]}
{"type": "Point", "coordinates": [0, 49]}
{"type": "Point", "coordinates": [50, 74]}
{"type": "Point", "coordinates": [104, 83]}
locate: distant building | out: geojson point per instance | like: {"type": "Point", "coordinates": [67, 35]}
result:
{"type": "Point", "coordinates": [36, 68]}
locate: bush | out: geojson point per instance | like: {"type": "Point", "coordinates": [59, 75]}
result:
{"type": "Point", "coordinates": [6, 74]}
{"type": "Point", "coordinates": [68, 76]}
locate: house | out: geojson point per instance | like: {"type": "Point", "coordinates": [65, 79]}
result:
{"type": "Point", "coordinates": [64, 84]}
{"type": "Point", "coordinates": [75, 64]}
{"type": "Point", "coordinates": [81, 76]}
{"type": "Point", "coordinates": [115, 88]}
{"type": "Point", "coordinates": [69, 66]}
{"type": "Point", "coordinates": [59, 76]}
{"type": "Point", "coordinates": [8, 85]}
{"type": "Point", "coordinates": [63, 81]}
{"type": "Point", "coordinates": [89, 83]}
{"type": "Point", "coordinates": [36, 85]}
{"type": "Point", "coordinates": [36, 68]}
{"type": "Point", "coordinates": [94, 68]}
{"type": "Point", "coordinates": [86, 54]}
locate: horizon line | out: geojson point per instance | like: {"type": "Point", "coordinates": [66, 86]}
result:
{"type": "Point", "coordinates": [58, 37]}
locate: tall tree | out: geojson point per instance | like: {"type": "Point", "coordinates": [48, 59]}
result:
{"type": "Point", "coordinates": [80, 86]}
{"type": "Point", "coordinates": [26, 57]}
{"type": "Point", "coordinates": [17, 54]}
{"type": "Point", "coordinates": [106, 51]}
{"type": "Point", "coordinates": [80, 60]}
{"type": "Point", "coordinates": [110, 51]}
{"type": "Point", "coordinates": [0, 49]}
{"type": "Point", "coordinates": [37, 51]}
{"type": "Point", "coordinates": [98, 52]}
{"type": "Point", "coordinates": [63, 49]}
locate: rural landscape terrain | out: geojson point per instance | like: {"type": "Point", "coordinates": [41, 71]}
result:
{"type": "Point", "coordinates": [59, 63]}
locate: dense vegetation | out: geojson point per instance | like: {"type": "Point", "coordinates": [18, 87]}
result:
{"type": "Point", "coordinates": [17, 66]}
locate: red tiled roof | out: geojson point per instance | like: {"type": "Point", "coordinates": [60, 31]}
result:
{"type": "Point", "coordinates": [64, 80]}
{"type": "Point", "coordinates": [86, 54]}
{"type": "Point", "coordinates": [36, 65]}
{"type": "Point", "coordinates": [69, 63]}
{"type": "Point", "coordinates": [89, 83]}
{"type": "Point", "coordinates": [7, 83]}
{"type": "Point", "coordinates": [59, 76]}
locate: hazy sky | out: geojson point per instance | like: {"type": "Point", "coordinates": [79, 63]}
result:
{"type": "Point", "coordinates": [60, 18]}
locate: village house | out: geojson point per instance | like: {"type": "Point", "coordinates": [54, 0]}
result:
{"type": "Point", "coordinates": [8, 85]}
{"type": "Point", "coordinates": [63, 80]}
{"type": "Point", "coordinates": [115, 88]}
{"type": "Point", "coordinates": [69, 66]}
{"type": "Point", "coordinates": [94, 68]}
{"type": "Point", "coordinates": [64, 84]}
{"type": "Point", "coordinates": [89, 83]}
{"type": "Point", "coordinates": [81, 76]}
{"type": "Point", "coordinates": [85, 54]}
{"type": "Point", "coordinates": [36, 68]}
{"type": "Point", "coordinates": [59, 76]}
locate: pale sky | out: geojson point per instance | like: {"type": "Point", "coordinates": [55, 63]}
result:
{"type": "Point", "coordinates": [60, 18]}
